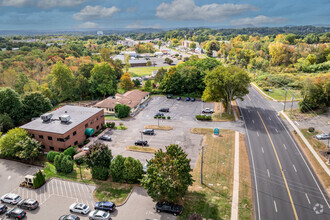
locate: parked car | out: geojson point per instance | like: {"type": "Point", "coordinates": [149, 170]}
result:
{"type": "Point", "coordinates": [169, 207]}
{"type": "Point", "coordinates": [85, 148]}
{"type": "Point", "coordinates": [3, 208]}
{"type": "Point", "coordinates": [159, 114]}
{"type": "Point", "coordinates": [141, 142]}
{"type": "Point", "coordinates": [178, 98]}
{"type": "Point", "coordinates": [105, 138]}
{"type": "Point", "coordinates": [322, 136]}
{"type": "Point", "coordinates": [193, 99]}
{"type": "Point", "coordinates": [169, 96]}
{"type": "Point", "coordinates": [11, 198]}
{"type": "Point", "coordinates": [148, 131]}
{"type": "Point", "coordinates": [79, 208]}
{"type": "Point", "coordinates": [187, 99]}
{"type": "Point", "coordinates": [208, 110]}
{"type": "Point", "coordinates": [99, 215]}
{"type": "Point", "coordinates": [29, 204]}
{"type": "Point", "coordinates": [164, 110]}
{"type": "Point", "coordinates": [69, 217]}
{"type": "Point", "coordinates": [16, 213]}
{"type": "Point", "coordinates": [105, 206]}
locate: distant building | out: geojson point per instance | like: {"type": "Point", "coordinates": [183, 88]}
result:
{"type": "Point", "coordinates": [99, 33]}
{"type": "Point", "coordinates": [65, 127]}
{"type": "Point", "coordinates": [130, 53]}
{"type": "Point", "coordinates": [133, 99]}
{"type": "Point", "coordinates": [133, 62]}
{"type": "Point", "coordinates": [186, 43]}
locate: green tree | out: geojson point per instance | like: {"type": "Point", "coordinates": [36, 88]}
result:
{"type": "Point", "coordinates": [133, 170]}
{"type": "Point", "coordinates": [9, 141]}
{"type": "Point", "coordinates": [122, 111]}
{"type": "Point", "coordinates": [51, 155]}
{"type": "Point", "coordinates": [159, 43]}
{"type": "Point", "coordinates": [290, 38]}
{"type": "Point", "coordinates": [35, 104]}
{"type": "Point", "coordinates": [100, 173]}
{"type": "Point", "coordinates": [172, 82]}
{"type": "Point", "coordinates": [148, 86]}
{"type": "Point", "coordinates": [126, 82]}
{"type": "Point", "coordinates": [28, 149]}
{"type": "Point", "coordinates": [67, 164]}
{"type": "Point", "coordinates": [312, 38]}
{"type": "Point", "coordinates": [226, 83]}
{"type": "Point", "coordinates": [126, 60]}
{"type": "Point", "coordinates": [10, 103]}
{"type": "Point", "coordinates": [105, 54]}
{"type": "Point", "coordinates": [70, 151]}
{"type": "Point", "coordinates": [168, 175]}
{"type": "Point", "coordinates": [160, 75]}
{"type": "Point", "coordinates": [20, 82]}
{"type": "Point", "coordinates": [81, 86]}
{"type": "Point", "coordinates": [136, 83]}
{"type": "Point", "coordinates": [192, 46]}
{"type": "Point", "coordinates": [85, 69]}
{"type": "Point", "coordinates": [149, 63]}
{"type": "Point", "coordinates": [98, 155]}
{"type": "Point", "coordinates": [103, 80]}
{"type": "Point", "coordinates": [168, 61]}
{"type": "Point", "coordinates": [6, 123]}
{"type": "Point", "coordinates": [62, 80]}
{"type": "Point", "coordinates": [117, 168]}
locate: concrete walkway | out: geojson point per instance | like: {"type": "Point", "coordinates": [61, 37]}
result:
{"type": "Point", "coordinates": [311, 149]}
{"type": "Point", "coordinates": [234, 204]}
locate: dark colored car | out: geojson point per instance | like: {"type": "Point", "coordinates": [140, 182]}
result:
{"type": "Point", "coordinates": [159, 114]}
{"type": "Point", "coordinates": [16, 213]}
{"type": "Point", "coordinates": [164, 110]}
{"type": "Point", "coordinates": [169, 96]}
{"type": "Point", "coordinates": [178, 98]}
{"type": "Point", "coordinates": [169, 207]}
{"type": "Point", "coordinates": [29, 204]}
{"type": "Point", "coordinates": [105, 206]}
{"type": "Point", "coordinates": [141, 142]}
{"type": "Point", "coordinates": [148, 131]}
{"type": "Point", "coordinates": [105, 138]}
{"type": "Point", "coordinates": [193, 99]}
{"type": "Point", "coordinates": [3, 209]}
{"type": "Point", "coordinates": [187, 99]}
{"type": "Point", "coordinates": [69, 217]}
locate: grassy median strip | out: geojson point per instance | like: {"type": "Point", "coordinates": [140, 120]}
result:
{"type": "Point", "coordinates": [142, 149]}
{"type": "Point", "coordinates": [225, 116]}
{"type": "Point", "coordinates": [212, 200]}
{"type": "Point", "coordinates": [161, 127]}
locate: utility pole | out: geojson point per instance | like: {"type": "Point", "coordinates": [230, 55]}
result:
{"type": "Point", "coordinates": [291, 105]}
{"type": "Point", "coordinates": [285, 99]}
{"type": "Point", "coordinates": [202, 163]}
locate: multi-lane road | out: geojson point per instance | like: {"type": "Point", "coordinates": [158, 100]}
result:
{"type": "Point", "coordinates": [284, 184]}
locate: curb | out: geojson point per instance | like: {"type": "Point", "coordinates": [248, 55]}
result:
{"type": "Point", "coordinates": [129, 195]}
{"type": "Point", "coordinates": [262, 93]}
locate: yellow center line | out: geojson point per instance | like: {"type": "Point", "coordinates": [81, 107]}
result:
{"type": "Point", "coordinates": [279, 163]}
{"type": "Point", "coordinates": [248, 97]}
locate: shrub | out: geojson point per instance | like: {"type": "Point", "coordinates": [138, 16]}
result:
{"type": "Point", "coordinates": [70, 152]}
{"type": "Point", "coordinates": [57, 162]}
{"type": "Point", "coordinates": [51, 155]}
{"type": "Point", "coordinates": [133, 170]}
{"type": "Point", "coordinates": [66, 164]}
{"type": "Point", "coordinates": [168, 117]}
{"type": "Point", "coordinates": [155, 116]}
{"type": "Point", "coordinates": [117, 168]}
{"type": "Point", "coordinates": [203, 117]}
{"type": "Point", "coordinates": [104, 126]}
{"type": "Point", "coordinates": [100, 173]}
{"type": "Point", "coordinates": [111, 124]}
{"type": "Point", "coordinates": [311, 129]}
{"type": "Point", "coordinates": [38, 180]}
{"type": "Point", "coordinates": [122, 110]}
{"type": "Point", "coordinates": [163, 117]}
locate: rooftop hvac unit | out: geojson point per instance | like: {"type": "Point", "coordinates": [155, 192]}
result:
{"type": "Point", "coordinates": [65, 118]}
{"type": "Point", "coordinates": [47, 116]}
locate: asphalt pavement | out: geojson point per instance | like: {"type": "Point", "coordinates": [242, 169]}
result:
{"type": "Point", "coordinates": [284, 184]}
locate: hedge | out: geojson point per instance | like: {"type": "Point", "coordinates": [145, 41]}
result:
{"type": "Point", "coordinates": [38, 180]}
{"type": "Point", "coordinates": [63, 163]}
{"type": "Point", "coordinates": [100, 173]}
{"type": "Point", "coordinates": [203, 117]}
{"type": "Point", "coordinates": [70, 152]}
{"type": "Point", "coordinates": [51, 155]}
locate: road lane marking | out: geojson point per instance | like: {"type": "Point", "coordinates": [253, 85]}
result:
{"type": "Point", "coordinates": [307, 198]}
{"type": "Point", "coordinates": [294, 168]}
{"type": "Point", "coordinates": [248, 97]}
{"type": "Point", "coordinates": [280, 165]}
{"type": "Point", "coordinates": [258, 134]}
{"type": "Point", "coordinates": [276, 130]}
{"type": "Point", "coordinates": [269, 119]}
{"type": "Point", "coordinates": [253, 121]}
{"type": "Point", "coordinates": [9, 177]}
{"type": "Point", "coordinates": [275, 206]}
{"type": "Point", "coordinates": [262, 149]}
{"type": "Point", "coordinates": [296, 122]}
{"type": "Point", "coordinates": [268, 173]}
{"type": "Point", "coordinates": [284, 146]}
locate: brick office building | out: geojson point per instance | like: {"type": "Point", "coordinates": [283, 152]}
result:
{"type": "Point", "coordinates": [65, 127]}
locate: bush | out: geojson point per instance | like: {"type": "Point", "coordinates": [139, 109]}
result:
{"type": "Point", "coordinates": [70, 152]}
{"type": "Point", "coordinates": [117, 168]}
{"type": "Point", "coordinates": [111, 124]}
{"type": "Point", "coordinates": [57, 162]}
{"type": "Point", "coordinates": [66, 164]}
{"type": "Point", "coordinates": [133, 170]}
{"type": "Point", "coordinates": [122, 110]}
{"type": "Point", "coordinates": [155, 116]}
{"type": "Point", "coordinates": [203, 117]}
{"type": "Point", "coordinates": [168, 117]}
{"type": "Point", "coordinates": [163, 117]}
{"type": "Point", "coordinates": [100, 173]}
{"type": "Point", "coordinates": [311, 129]}
{"type": "Point", "coordinates": [38, 180]}
{"type": "Point", "coordinates": [51, 155]}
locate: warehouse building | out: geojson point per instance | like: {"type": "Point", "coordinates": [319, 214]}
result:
{"type": "Point", "coordinates": [65, 127]}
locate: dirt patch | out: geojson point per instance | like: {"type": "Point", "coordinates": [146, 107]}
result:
{"type": "Point", "coordinates": [161, 127]}
{"type": "Point", "coordinates": [149, 150]}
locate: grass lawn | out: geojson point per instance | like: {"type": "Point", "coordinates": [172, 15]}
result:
{"type": "Point", "coordinates": [279, 94]}
{"type": "Point", "coordinates": [298, 115]}
{"type": "Point", "coordinates": [212, 200]}
{"type": "Point", "coordinates": [107, 190]}
{"type": "Point", "coordinates": [160, 127]}
{"type": "Point", "coordinates": [142, 71]}
{"type": "Point", "coordinates": [224, 116]}
{"type": "Point", "coordinates": [121, 127]}
{"type": "Point", "coordinates": [110, 118]}
{"type": "Point", "coordinates": [142, 149]}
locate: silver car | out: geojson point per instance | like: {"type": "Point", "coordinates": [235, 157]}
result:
{"type": "Point", "coordinates": [99, 215]}
{"type": "Point", "coordinates": [11, 198]}
{"type": "Point", "coordinates": [322, 136]}
{"type": "Point", "coordinates": [79, 208]}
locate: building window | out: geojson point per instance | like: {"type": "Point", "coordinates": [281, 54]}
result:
{"type": "Point", "coordinates": [67, 138]}
{"type": "Point", "coordinates": [43, 146]}
{"type": "Point", "coordinates": [96, 119]}
{"type": "Point", "coordinates": [61, 149]}
{"type": "Point", "coordinates": [76, 143]}
{"type": "Point", "coordinates": [41, 136]}
{"type": "Point", "coordinates": [32, 135]}
{"type": "Point", "coordinates": [74, 133]}
{"type": "Point", "coordinates": [97, 127]}
{"type": "Point", "coordinates": [102, 116]}
{"type": "Point", "coordinates": [91, 122]}
{"type": "Point", "coordinates": [50, 138]}
{"type": "Point", "coordinates": [86, 125]}
{"type": "Point", "coordinates": [51, 148]}
{"type": "Point", "coordinates": [60, 139]}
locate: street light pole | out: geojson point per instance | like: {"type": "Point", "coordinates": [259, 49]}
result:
{"type": "Point", "coordinates": [285, 99]}
{"type": "Point", "coordinates": [202, 163]}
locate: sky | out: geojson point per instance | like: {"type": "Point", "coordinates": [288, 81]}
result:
{"type": "Point", "coordinates": [163, 14]}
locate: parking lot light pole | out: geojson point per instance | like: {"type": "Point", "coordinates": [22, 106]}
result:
{"type": "Point", "coordinates": [202, 164]}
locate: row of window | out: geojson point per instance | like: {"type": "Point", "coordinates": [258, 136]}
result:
{"type": "Point", "coordinates": [58, 139]}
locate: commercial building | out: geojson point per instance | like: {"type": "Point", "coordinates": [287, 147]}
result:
{"type": "Point", "coordinates": [133, 99]}
{"type": "Point", "coordinates": [65, 127]}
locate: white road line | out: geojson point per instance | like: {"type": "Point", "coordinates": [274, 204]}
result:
{"type": "Point", "coordinates": [253, 121]}
{"type": "Point", "coordinates": [269, 119]}
{"type": "Point", "coordinates": [284, 146]}
{"type": "Point", "coordinates": [296, 122]}
{"type": "Point", "coordinates": [45, 190]}
{"type": "Point", "coordinates": [59, 183]}
{"type": "Point", "coordinates": [262, 149]}
{"type": "Point", "coordinates": [294, 168]}
{"type": "Point", "coordinates": [258, 134]}
{"type": "Point", "coordinates": [9, 177]}
{"type": "Point", "coordinates": [276, 130]}
{"type": "Point", "coordinates": [268, 173]}
{"type": "Point", "coordinates": [275, 206]}
{"type": "Point", "coordinates": [57, 189]}
{"type": "Point", "coordinates": [307, 198]}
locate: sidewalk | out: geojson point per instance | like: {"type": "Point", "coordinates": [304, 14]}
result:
{"type": "Point", "coordinates": [234, 204]}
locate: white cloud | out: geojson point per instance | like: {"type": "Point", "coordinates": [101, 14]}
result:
{"type": "Point", "coordinates": [41, 3]}
{"type": "Point", "coordinates": [258, 20]}
{"type": "Point", "coordinates": [96, 12]}
{"type": "Point", "coordinates": [188, 10]}
{"type": "Point", "coordinates": [139, 25]}
{"type": "Point", "coordinates": [87, 24]}
{"type": "Point", "coordinates": [131, 9]}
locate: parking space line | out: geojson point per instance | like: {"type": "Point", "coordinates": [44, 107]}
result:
{"type": "Point", "coordinates": [57, 189]}
{"type": "Point", "coordinates": [66, 190]}
{"type": "Point", "coordinates": [60, 184]}
{"type": "Point", "coordinates": [74, 190]}
{"type": "Point", "coordinates": [45, 190]}
{"type": "Point", "coordinates": [69, 188]}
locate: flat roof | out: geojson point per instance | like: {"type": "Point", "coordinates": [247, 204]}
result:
{"type": "Point", "coordinates": [77, 114]}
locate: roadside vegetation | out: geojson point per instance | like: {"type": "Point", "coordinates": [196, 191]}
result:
{"type": "Point", "coordinates": [143, 71]}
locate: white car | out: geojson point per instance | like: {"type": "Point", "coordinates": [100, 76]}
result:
{"type": "Point", "coordinates": [208, 110]}
{"type": "Point", "coordinates": [11, 198]}
{"type": "Point", "coordinates": [322, 136]}
{"type": "Point", "coordinates": [99, 215]}
{"type": "Point", "coordinates": [79, 208]}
